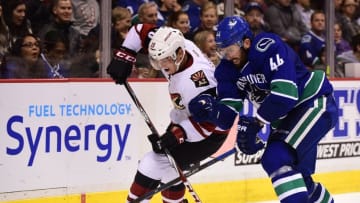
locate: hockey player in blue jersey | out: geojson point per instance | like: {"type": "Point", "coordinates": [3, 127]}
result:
{"type": "Point", "coordinates": [298, 105]}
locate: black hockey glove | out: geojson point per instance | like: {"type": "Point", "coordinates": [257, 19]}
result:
{"type": "Point", "coordinates": [121, 64]}
{"type": "Point", "coordinates": [173, 136]}
{"type": "Point", "coordinates": [247, 138]}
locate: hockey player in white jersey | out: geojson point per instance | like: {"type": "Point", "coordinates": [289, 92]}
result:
{"type": "Point", "coordinates": [189, 74]}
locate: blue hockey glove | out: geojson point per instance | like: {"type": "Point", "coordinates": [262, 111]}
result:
{"type": "Point", "coordinates": [121, 64]}
{"type": "Point", "coordinates": [247, 139]}
{"type": "Point", "coordinates": [203, 108]}
{"type": "Point", "coordinates": [173, 136]}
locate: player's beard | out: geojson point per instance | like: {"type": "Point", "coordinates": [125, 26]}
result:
{"type": "Point", "coordinates": [242, 60]}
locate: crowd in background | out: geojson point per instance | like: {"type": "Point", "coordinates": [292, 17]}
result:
{"type": "Point", "coordinates": [60, 38]}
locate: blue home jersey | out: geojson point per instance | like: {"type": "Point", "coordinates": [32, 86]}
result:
{"type": "Point", "coordinates": [274, 79]}
{"type": "Point", "coordinates": [132, 5]}
{"type": "Point", "coordinates": [193, 11]}
{"type": "Point", "coordinates": [310, 48]}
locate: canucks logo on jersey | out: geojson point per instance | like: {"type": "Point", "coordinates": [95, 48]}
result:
{"type": "Point", "coordinates": [255, 93]}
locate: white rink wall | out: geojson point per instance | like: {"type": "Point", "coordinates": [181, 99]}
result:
{"type": "Point", "coordinates": [68, 137]}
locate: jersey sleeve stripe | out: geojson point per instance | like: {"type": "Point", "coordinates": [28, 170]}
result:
{"type": "Point", "coordinates": [284, 88]}
{"type": "Point", "coordinates": [234, 104]}
{"type": "Point", "coordinates": [313, 85]}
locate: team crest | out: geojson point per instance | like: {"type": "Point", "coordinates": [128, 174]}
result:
{"type": "Point", "coordinates": [199, 78]}
{"type": "Point", "coordinates": [177, 101]}
{"type": "Point", "coordinates": [264, 44]}
{"type": "Point", "coordinates": [232, 23]}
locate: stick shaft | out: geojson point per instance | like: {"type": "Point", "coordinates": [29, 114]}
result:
{"type": "Point", "coordinates": [191, 172]}
{"type": "Point", "coordinates": [153, 130]}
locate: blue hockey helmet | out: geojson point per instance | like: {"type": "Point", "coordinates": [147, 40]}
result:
{"type": "Point", "coordinates": [232, 30]}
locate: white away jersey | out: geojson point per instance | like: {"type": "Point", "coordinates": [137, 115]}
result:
{"type": "Point", "coordinates": [187, 84]}
{"type": "Point", "coordinates": [184, 85]}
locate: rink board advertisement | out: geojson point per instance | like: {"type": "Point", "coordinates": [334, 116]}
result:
{"type": "Point", "coordinates": [70, 137]}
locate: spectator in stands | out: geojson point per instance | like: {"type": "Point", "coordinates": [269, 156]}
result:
{"type": "Point", "coordinates": [341, 45]}
{"type": "Point", "coordinates": [39, 13]}
{"type": "Point", "coordinates": [314, 40]}
{"type": "Point", "coordinates": [285, 21]}
{"type": "Point", "coordinates": [121, 23]}
{"type": "Point", "coordinates": [254, 15]}
{"type": "Point", "coordinates": [348, 21]}
{"type": "Point", "coordinates": [208, 18]}
{"type": "Point", "coordinates": [4, 35]}
{"type": "Point", "coordinates": [167, 7]}
{"type": "Point", "coordinates": [148, 13]}
{"type": "Point", "coordinates": [61, 22]}
{"type": "Point", "coordinates": [180, 21]}
{"type": "Point", "coordinates": [238, 10]}
{"type": "Point", "coordinates": [54, 54]}
{"type": "Point", "coordinates": [192, 8]}
{"type": "Point", "coordinates": [305, 10]}
{"type": "Point", "coordinates": [205, 40]}
{"type": "Point", "coordinates": [338, 11]}
{"type": "Point", "coordinates": [263, 3]}
{"type": "Point", "coordinates": [86, 15]}
{"type": "Point", "coordinates": [16, 20]}
{"type": "Point", "coordinates": [132, 5]}
{"type": "Point", "coordinates": [322, 65]}
{"type": "Point", "coordinates": [24, 59]}
{"type": "Point", "coordinates": [86, 63]}
{"type": "Point", "coordinates": [352, 56]}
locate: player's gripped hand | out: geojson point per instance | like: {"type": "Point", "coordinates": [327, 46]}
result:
{"type": "Point", "coordinates": [247, 138]}
{"type": "Point", "coordinates": [202, 107]}
{"type": "Point", "coordinates": [173, 136]}
{"type": "Point", "coordinates": [121, 64]}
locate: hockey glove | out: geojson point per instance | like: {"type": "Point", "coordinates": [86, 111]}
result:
{"type": "Point", "coordinates": [247, 139]}
{"type": "Point", "coordinates": [203, 108]}
{"type": "Point", "coordinates": [121, 64]}
{"type": "Point", "coordinates": [173, 136]}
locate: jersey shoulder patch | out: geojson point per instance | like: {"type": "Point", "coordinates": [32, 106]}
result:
{"type": "Point", "coordinates": [199, 78]}
{"type": "Point", "coordinates": [264, 44]}
{"type": "Point", "coordinates": [306, 39]}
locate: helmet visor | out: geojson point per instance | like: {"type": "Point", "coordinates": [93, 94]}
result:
{"type": "Point", "coordinates": [161, 63]}
{"type": "Point", "coordinates": [228, 51]}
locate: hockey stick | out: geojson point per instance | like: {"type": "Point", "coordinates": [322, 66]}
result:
{"type": "Point", "coordinates": [191, 172]}
{"type": "Point", "coordinates": [182, 177]}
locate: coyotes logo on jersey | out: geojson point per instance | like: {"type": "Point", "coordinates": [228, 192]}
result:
{"type": "Point", "coordinates": [199, 78]}
{"type": "Point", "coordinates": [177, 101]}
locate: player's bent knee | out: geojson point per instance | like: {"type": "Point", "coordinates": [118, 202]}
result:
{"type": "Point", "coordinates": [174, 193]}
{"type": "Point", "coordinates": [277, 155]}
